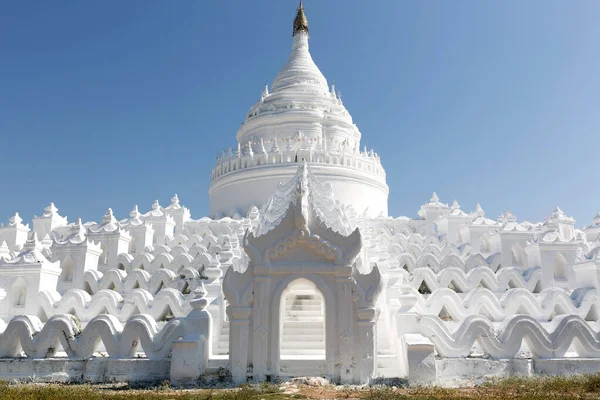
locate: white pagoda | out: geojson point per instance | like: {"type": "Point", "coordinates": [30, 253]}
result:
{"type": "Point", "coordinates": [298, 271]}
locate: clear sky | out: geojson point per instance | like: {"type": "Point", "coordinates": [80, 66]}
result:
{"type": "Point", "coordinates": [114, 103]}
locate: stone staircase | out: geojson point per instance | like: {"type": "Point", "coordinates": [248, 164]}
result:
{"type": "Point", "coordinates": [221, 347]}
{"type": "Point", "coordinates": [303, 336]}
{"type": "Point", "coordinates": [387, 362]}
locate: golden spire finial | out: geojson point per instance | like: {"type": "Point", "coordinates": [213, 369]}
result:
{"type": "Point", "coordinates": [300, 22]}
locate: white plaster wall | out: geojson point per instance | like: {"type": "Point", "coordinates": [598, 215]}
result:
{"type": "Point", "coordinates": [254, 186]}
{"type": "Point", "coordinates": [93, 370]}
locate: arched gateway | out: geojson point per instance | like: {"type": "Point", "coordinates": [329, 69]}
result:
{"type": "Point", "coordinates": [301, 307]}
{"type": "Point", "coordinates": [302, 322]}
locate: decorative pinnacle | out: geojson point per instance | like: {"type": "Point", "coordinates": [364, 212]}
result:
{"type": "Point", "coordinates": [479, 211]}
{"type": "Point", "coordinates": [510, 217]}
{"type": "Point", "coordinates": [108, 217]}
{"type": "Point", "coordinates": [501, 217]}
{"type": "Point", "coordinates": [300, 22]}
{"type": "Point", "coordinates": [135, 213]}
{"type": "Point", "coordinates": [51, 209]}
{"type": "Point", "coordinates": [15, 219]}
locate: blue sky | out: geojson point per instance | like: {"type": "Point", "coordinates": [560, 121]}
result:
{"type": "Point", "coordinates": [116, 103]}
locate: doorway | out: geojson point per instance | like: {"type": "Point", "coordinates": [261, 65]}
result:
{"type": "Point", "coordinates": [302, 322]}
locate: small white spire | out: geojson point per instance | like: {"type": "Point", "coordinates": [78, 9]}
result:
{"type": "Point", "coordinates": [51, 209]}
{"type": "Point", "coordinates": [434, 198]}
{"type": "Point", "coordinates": [479, 211]}
{"type": "Point", "coordinates": [175, 199]}
{"type": "Point", "coordinates": [262, 146]}
{"type": "Point", "coordinates": [558, 212]}
{"type": "Point", "coordinates": [78, 228]}
{"type": "Point", "coordinates": [274, 146]}
{"type": "Point", "coordinates": [108, 217]}
{"type": "Point", "coordinates": [15, 219]}
{"type": "Point", "coordinates": [134, 213]}
{"type": "Point", "coordinates": [510, 217]}
{"type": "Point", "coordinates": [155, 205]}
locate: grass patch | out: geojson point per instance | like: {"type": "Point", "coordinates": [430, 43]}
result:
{"type": "Point", "coordinates": [556, 388]}
{"type": "Point", "coordinates": [89, 392]}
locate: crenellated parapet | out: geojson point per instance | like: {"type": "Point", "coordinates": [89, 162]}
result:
{"type": "Point", "coordinates": [552, 340]}
{"type": "Point", "coordinates": [461, 281]}
{"type": "Point", "coordinates": [162, 306]}
{"type": "Point", "coordinates": [27, 334]}
{"type": "Point", "coordinates": [290, 150]}
{"type": "Point", "coordinates": [542, 306]}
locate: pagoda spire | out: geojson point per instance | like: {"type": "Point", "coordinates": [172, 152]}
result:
{"type": "Point", "coordinates": [300, 22]}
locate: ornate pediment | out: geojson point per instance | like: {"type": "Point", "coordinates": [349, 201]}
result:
{"type": "Point", "coordinates": [301, 221]}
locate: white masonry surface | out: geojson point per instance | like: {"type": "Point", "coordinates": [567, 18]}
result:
{"type": "Point", "coordinates": [298, 271]}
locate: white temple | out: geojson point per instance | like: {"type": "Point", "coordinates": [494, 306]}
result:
{"type": "Point", "coordinates": [299, 271]}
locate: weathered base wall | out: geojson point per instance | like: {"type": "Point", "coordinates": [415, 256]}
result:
{"type": "Point", "coordinates": [93, 370]}
{"type": "Point", "coordinates": [457, 371]}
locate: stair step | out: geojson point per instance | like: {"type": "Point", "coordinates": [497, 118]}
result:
{"type": "Point", "coordinates": [304, 322]}
{"type": "Point", "coordinates": [287, 331]}
{"type": "Point", "coordinates": [303, 304]}
{"type": "Point", "coordinates": [291, 352]}
{"type": "Point", "coordinates": [303, 345]}
{"type": "Point", "coordinates": [308, 306]}
{"type": "Point", "coordinates": [303, 313]}
{"type": "Point", "coordinates": [296, 300]}
{"type": "Point", "coordinates": [302, 337]}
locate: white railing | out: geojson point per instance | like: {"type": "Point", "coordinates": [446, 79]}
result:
{"type": "Point", "coordinates": [296, 152]}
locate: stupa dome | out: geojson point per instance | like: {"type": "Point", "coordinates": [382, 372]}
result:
{"type": "Point", "coordinates": [300, 118]}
